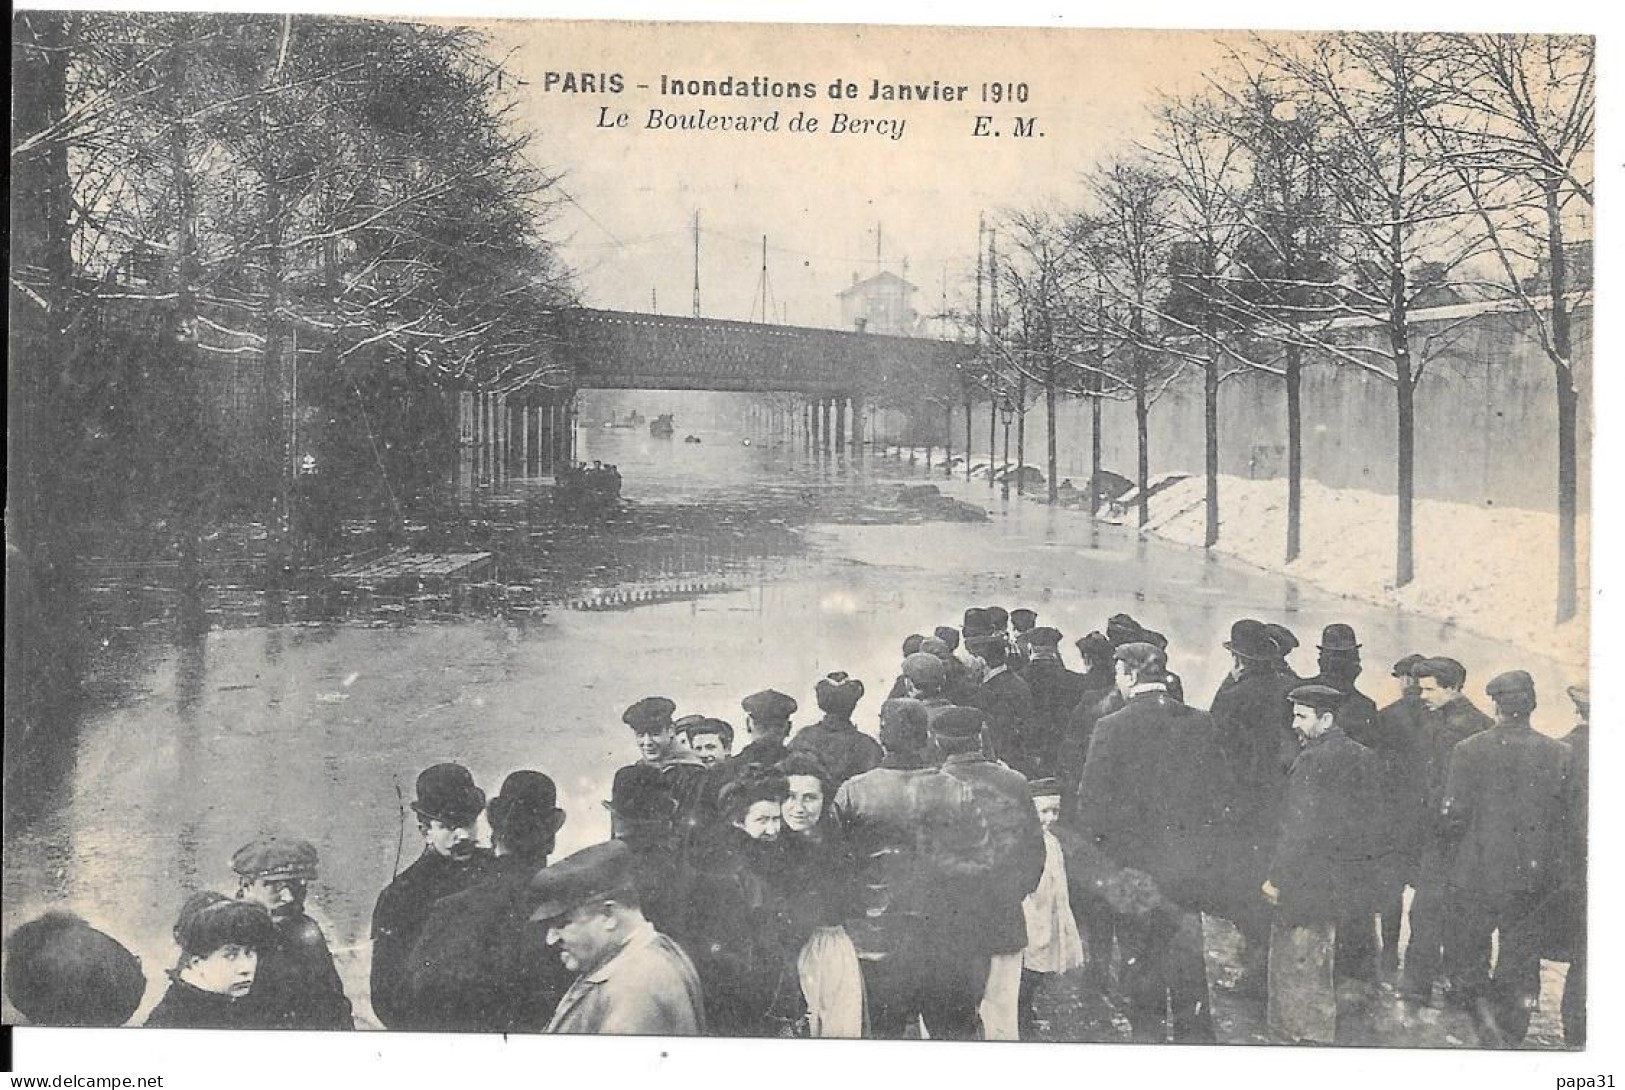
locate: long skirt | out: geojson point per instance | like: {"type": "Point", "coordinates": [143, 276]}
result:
{"type": "Point", "coordinates": [1303, 992]}
{"type": "Point", "coordinates": [832, 984]}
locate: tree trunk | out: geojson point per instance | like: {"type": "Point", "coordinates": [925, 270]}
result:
{"type": "Point", "coordinates": [992, 434]}
{"type": "Point", "coordinates": [1568, 406]}
{"type": "Point", "coordinates": [1021, 434]}
{"type": "Point", "coordinates": [1210, 429]}
{"type": "Point", "coordinates": [1142, 436]}
{"type": "Point", "coordinates": [1049, 441]}
{"type": "Point", "coordinates": [948, 441]}
{"type": "Point", "coordinates": [967, 440]}
{"type": "Point", "coordinates": [1294, 451]}
{"type": "Point", "coordinates": [1094, 447]}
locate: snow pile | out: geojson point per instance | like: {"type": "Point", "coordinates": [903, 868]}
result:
{"type": "Point", "coordinates": [1490, 570]}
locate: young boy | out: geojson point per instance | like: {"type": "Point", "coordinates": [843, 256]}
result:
{"type": "Point", "coordinates": [1053, 945]}
{"type": "Point", "coordinates": [220, 941]}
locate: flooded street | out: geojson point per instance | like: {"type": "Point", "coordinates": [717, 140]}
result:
{"type": "Point", "coordinates": [734, 568]}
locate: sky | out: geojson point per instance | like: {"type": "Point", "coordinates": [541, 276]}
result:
{"type": "Point", "coordinates": [821, 199]}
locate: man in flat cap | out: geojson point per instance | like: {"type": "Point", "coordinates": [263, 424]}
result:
{"type": "Point", "coordinates": [479, 966]}
{"type": "Point", "coordinates": [1022, 622]}
{"type": "Point", "coordinates": [711, 740]}
{"type": "Point", "coordinates": [643, 815]}
{"type": "Point", "coordinates": [990, 912]}
{"type": "Point", "coordinates": [1506, 812]}
{"type": "Point", "coordinates": [631, 978]}
{"type": "Point", "coordinates": [1569, 936]}
{"type": "Point", "coordinates": [1450, 719]}
{"type": "Point", "coordinates": [911, 646]}
{"type": "Point", "coordinates": [687, 777]}
{"type": "Point", "coordinates": [60, 971]}
{"type": "Point", "coordinates": [296, 986]}
{"type": "Point", "coordinates": [1056, 691]}
{"type": "Point", "coordinates": [1008, 702]}
{"type": "Point", "coordinates": [1149, 802]}
{"type": "Point", "coordinates": [842, 749]}
{"type": "Point", "coordinates": [767, 721]}
{"type": "Point", "coordinates": [1254, 720]}
{"type": "Point", "coordinates": [957, 659]}
{"type": "Point", "coordinates": [917, 838]}
{"type": "Point", "coordinates": [957, 685]}
{"type": "Point", "coordinates": [448, 806]}
{"type": "Point", "coordinates": [1319, 873]}
{"type": "Point", "coordinates": [925, 679]}
{"type": "Point", "coordinates": [1287, 642]}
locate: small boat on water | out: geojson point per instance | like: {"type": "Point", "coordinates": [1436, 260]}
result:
{"type": "Point", "coordinates": [661, 426]}
{"type": "Point", "coordinates": [691, 438]}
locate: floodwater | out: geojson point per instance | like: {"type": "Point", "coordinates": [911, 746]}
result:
{"type": "Point", "coordinates": [734, 568]}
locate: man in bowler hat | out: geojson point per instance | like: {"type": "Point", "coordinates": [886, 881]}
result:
{"type": "Point", "coordinates": [630, 978]}
{"type": "Point", "coordinates": [448, 805]}
{"type": "Point", "coordinates": [643, 816]}
{"type": "Point", "coordinates": [1506, 810]}
{"type": "Point", "coordinates": [479, 966]}
{"type": "Point", "coordinates": [296, 986]}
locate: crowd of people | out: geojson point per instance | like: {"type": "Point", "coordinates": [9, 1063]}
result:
{"type": "Point", "coordinates": [1012, 820]}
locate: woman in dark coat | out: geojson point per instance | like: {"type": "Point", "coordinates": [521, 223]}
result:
{"type": "Point", "coordinates": [741, 942]}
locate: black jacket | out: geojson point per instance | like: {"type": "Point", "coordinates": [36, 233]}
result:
{"type": "Point", "coordinates": [1254, 721]}
{"type": "Point", "coordinates": [397, 921]}
{"type": "Point", "coordinates": [991, 906]}
{"type": "Point", "coordinates": [480, 965]}
{"type": "Point", "coordinates": [740, 940]}
{"type": "Point", "coordinates": [1325, 860]}
{"type": "Point", "coordinates": [1056, 691]}
{"type": "Point", "coordinates": [186, 1007]}
{"type": "Point", "coordinates": [296, 985]}
{"type": "Point", "coordinates": [840, 747]}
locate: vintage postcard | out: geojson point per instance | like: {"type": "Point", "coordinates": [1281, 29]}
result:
{"type": "Point", "coordinates": [533, 527]}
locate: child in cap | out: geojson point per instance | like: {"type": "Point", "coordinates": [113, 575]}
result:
{"type": "Point", "coordinates": [220, 941]}
{"type": "Point", "coordinates": [1053, 944]}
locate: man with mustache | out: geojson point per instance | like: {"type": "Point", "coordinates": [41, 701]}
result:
{"type": "Point", "coordinates": [447, 804]}
{"type": "Point", "coordinates": [296, 985]}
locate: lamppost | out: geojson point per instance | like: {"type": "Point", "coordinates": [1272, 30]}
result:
{"type": "Point", "coordinates": [1007, 413]}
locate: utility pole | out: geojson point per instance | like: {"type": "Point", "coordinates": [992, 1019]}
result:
{"type": "Point", "coordinates": [696, 262]}
{"type": "Point", "coordinates": [981, 229]}
{"type": "Point", "coordinates": [879, 265]}
{"type": "Point", "coordinates": [764, 280]}
{"type": "Point", "coordinates": [654, 301]}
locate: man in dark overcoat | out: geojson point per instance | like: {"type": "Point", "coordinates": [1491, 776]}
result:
{"type": "Point", "coordinates": [1008, 702]}
{"type": "Point", "coordinates": [917, 837]}
{"type": "Point", "coordinates": [991, 909]}
{"type": "Point", "coordinates": [1570, 933]}
{"type": "Point", "coordinates": [1150, 803]}
{"type": "Point", "coordinates": [1451, 718]}
{"type": "Point", "coordinates": [1506, 812]}
{"type": "Point", "coordinates": [1056, 691]}
{"type": "Point", "coordinates": [479, 965]}
{"type": "Point", "coordinates": [1320, 876]}
{"type": "Point", "coordinates": [447, 805]}
{"type": "Point", "coordinates": [1402, 822]}
{"type": "Point", "coordinates": [767, 721]}
{"type": "Point", "coordinates": [1254, 721]}
{"type": "Point", "coordinates": [296, 985]}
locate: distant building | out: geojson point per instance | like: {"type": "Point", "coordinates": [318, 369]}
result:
{"type": "Point", "coordinates": [880, 304]}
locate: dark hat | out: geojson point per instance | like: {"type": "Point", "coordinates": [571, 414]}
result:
{"type": "Point", "coordinates": [958, 722]}
{"type": "Point", "coordinates": [60, 971]}
{"type": "Point", "coordinates": [838, 693]}
{"type": "Point", "coordinates": [1322, 698]}
{"type": "Point", "coordinates": [650, 715]}
{"type": "Point", "coordinates": [769, 705]}
{"type": "Point", "coordinates": [1338, 637]}
{"type": "Point", "coordinates": [639, 793]}
{"type": "Point", "coordinates": [210, 920]}
{"type": "Point", "coordinates": [1121, 629]}
{"type": "Point", "coordinates": [1155, 639]}
{"type": "Point", "coordinates": [1094, 645]}
{"type": "Point", "coordinates": [977, 623]}
{"type": "Point", "coordinates": [705, 724]}
{"type": "Point", "coordinates": [525, 795]}
{"type": "Point", "coordinates": [1513, 681]}
{"type": "Point", "coordinates": [998, 618]}
{"type": "Point", "coordinates": [911, 643]}
{"type": "Point", "coordinates": [933, 646]}
{"type": "Point", "coordinates": [925, 671]}
{"type": "Point", "coordinates": [1023, 619]}
{"type": "Point", "coordinates": [1404, 666]}
{"type": "Point", "coordinates": [592, 873]}
{"type": "Point", "coordinates": [1283, 637]}
{"type": "Point", "coordinates": [1581, 695]}
{"type": "Point", "coordinates": [1251, 640]}
{"type": "Point", "coordinates": [1045, 788]}
{"type": "Point", "coordinates": [904, 725]}
{"type": "Point", "coordinates": [273, 858]}
{"type": "Point", "coordinates": [1044, 636]}
{"type": "Point", "coordinates": [446, 793]}
{"type": "Point", "coordinates": [947, 635]}
{"type": "Point", "coordinates": [685, 722]}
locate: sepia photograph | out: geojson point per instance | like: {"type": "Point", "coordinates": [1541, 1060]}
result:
{"type": "Point", "coordinates": [836, 530]}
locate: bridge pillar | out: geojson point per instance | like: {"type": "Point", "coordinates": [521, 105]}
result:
{"type": "Point", "coordinates": [829, 424]}
{"type": "Point", "coordinates": [807, 425]}
{"type": "Point", "coordinates": [857, 427]}
{"type": "Point", "coordinates": [840, 425]}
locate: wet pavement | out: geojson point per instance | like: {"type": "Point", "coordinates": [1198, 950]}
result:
{"type": "Point", "coordinates": [729, 568]}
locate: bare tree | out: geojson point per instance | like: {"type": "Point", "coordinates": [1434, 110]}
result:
{"type": "Point", "coordinates": [1519, 132]}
